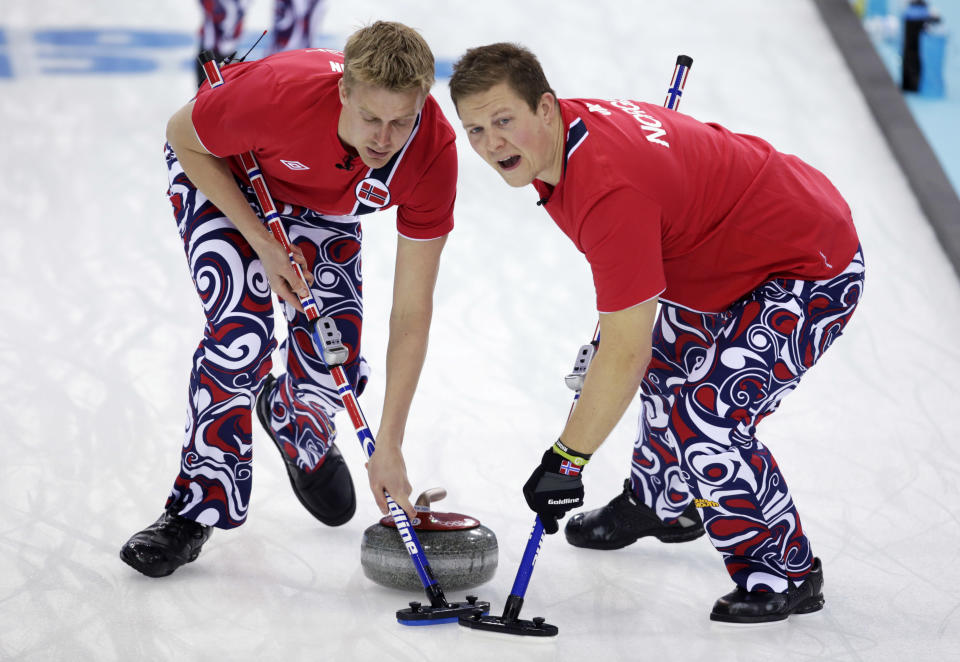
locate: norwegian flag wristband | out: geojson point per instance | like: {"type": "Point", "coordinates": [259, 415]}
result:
{"type": "Point", "coordinates": [571, 463]}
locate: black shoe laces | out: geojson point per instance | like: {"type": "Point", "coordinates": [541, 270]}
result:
{"type": "Point", "coordinates": [176, 526]}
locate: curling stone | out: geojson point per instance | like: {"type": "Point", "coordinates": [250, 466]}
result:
{"type": "Point", "coordinates": [462, 553]}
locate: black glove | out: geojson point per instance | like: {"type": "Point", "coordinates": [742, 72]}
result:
{"type": "Point", "coordinates": [555, 487]}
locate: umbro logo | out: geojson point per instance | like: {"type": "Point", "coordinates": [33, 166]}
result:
{"type": "Point", "coordinates": [294, 165]}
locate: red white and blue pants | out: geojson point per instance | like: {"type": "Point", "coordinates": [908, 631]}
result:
{"type": "Point", "coordinates": [223, 24]}
{"type": "Point", "coordinates": [233, 358]}
{"type": "Point", "coordinates": [712, 379]}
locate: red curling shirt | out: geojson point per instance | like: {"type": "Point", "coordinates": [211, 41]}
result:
{"type": "Point", "coordinates": [662, 204]}
{"type": "Point", "coordinates": [285, 108]}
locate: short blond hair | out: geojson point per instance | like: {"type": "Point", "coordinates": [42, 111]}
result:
{"type": "Point", "coordinates": [389, 55]}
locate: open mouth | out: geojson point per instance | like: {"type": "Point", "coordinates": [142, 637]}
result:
{"type": "Point", "coordinates": [509, 163]}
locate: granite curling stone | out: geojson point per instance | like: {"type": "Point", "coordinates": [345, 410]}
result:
{"type": "Point", "coordinates": [462, 553]}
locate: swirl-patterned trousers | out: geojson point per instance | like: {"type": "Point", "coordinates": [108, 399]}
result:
{"type": "Point", "coordinates": [711, 380]}
{"type": "Point", "coordinates": [223, 24]}
{"type": "Point", "coordinates": [233, 358]}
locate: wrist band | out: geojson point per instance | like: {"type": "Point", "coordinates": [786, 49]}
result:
{"type": "Point", "coordinates": [564, 451]}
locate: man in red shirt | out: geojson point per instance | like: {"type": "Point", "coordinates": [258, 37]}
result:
{"type": "Point", "coordinates": [755, 264]}
{"type": "Point", "coordinates": [337, 136]}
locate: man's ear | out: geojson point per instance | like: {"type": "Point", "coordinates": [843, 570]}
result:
{"type": "Point", "coordinates": [342, 90]}
{"type": "Point", "coordinates": [547, 106]}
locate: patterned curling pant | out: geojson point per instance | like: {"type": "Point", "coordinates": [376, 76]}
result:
{"type": "Point", "coordinates": [712, 378]}
{"type": "Point", "coordinates": [233, 358]}
{"type": "Point", "coordinates": [223, 24]}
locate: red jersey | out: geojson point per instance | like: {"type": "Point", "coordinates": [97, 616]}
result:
{"type": "Point", "coordinates": [285, 108]}
{"type": "Point", "coordinates": [663, 204]}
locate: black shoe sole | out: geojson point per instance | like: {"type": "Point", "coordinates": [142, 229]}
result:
{"type": "Point", "coordinates": [681, 536]}
{"type": "Point", "coordinates": [806, 607]}
{"type": "Point", "coordinates": [671, 537]}
{"type": "Point", "coordinates": [155, 571]}
{"type": "Point", "coordinates": [340, 519]}
{"type": "Point", "coordinates": [602, 545]}
{"type": "Point", "coordinates": [606, 546]}
{"type": "Point", "coordinates": [813, 604]}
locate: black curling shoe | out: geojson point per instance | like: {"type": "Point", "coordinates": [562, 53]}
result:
{"type": "Point", "coordinates": [327, 493]}
{"type": "Point", "coordinates": [624, 520]}
{"type": "Point", "coordinates": [742, 606]}
{"type": "Point", "coordinates": [165, 545]}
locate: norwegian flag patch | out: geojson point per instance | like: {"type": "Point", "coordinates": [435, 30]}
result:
{"type": "Point", "coordinates": [568, 468]}
{"type": "Point", "coordinates": [373, 193]}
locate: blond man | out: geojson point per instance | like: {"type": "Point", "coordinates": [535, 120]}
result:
{"type": "Point", "coordinates": [337, 136]}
